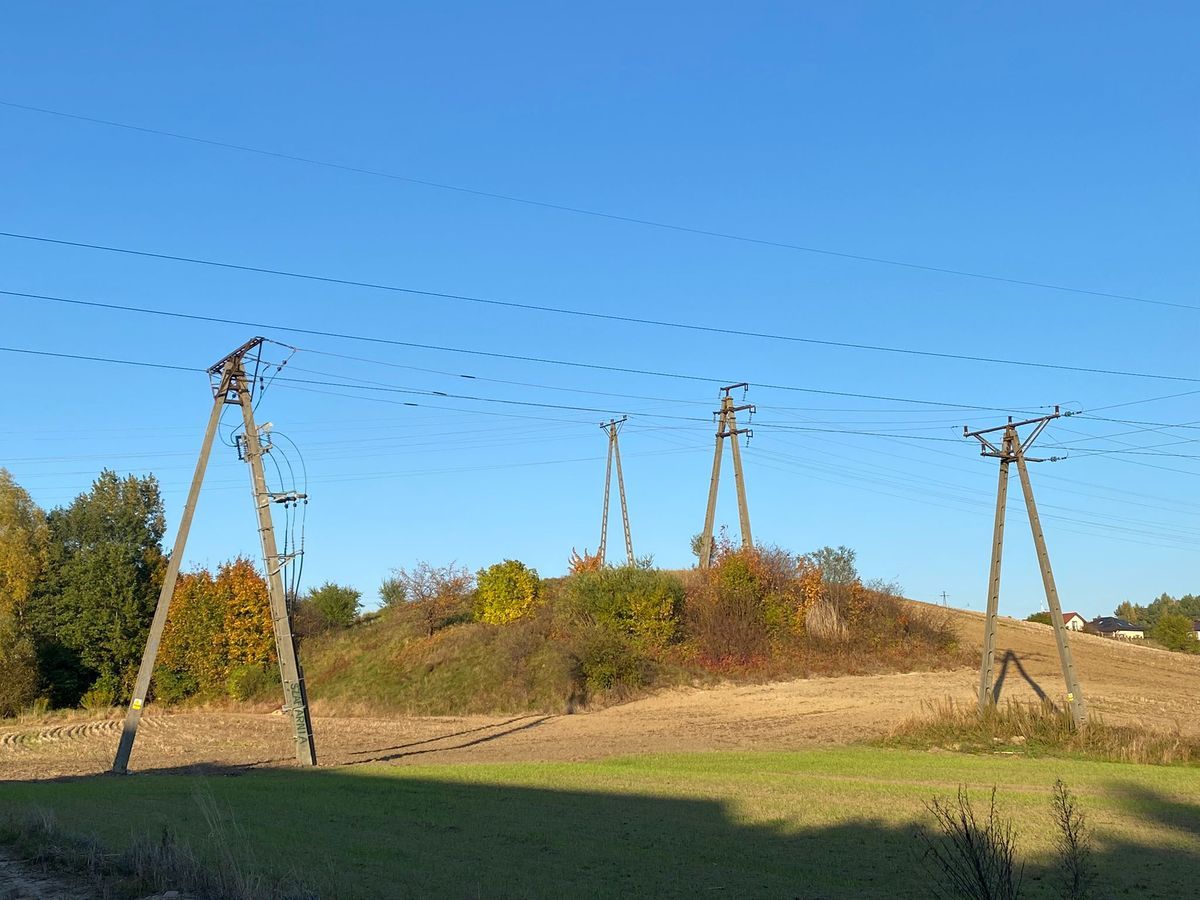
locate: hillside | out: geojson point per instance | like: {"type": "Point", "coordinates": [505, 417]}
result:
{"type": "Point", "coordinates": [1122, 683]}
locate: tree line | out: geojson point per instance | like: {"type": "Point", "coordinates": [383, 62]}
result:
{"type": "Point", "coordinates": [78, 588]}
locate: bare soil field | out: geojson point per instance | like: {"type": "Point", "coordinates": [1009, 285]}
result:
{"type": "Point", "coordinates": [1121, 682]}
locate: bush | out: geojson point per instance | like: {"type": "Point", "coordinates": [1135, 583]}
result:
{"type": "Point", "coordinates": [172, 686]}
{"type": "Point", "coordinates": [641, 602]}
{"type": "Point", "coordinates": [506, 592]}
{"type": "Point", "coordinates": [102, 694]}
{"type": "Point", "coordinates": [748, 600]}
{"type": "Point", "coordinates": [327, 607]}
{"type": "Point", "coordinates": [608, 662]}
{"type": "Point", "coordinates": [1042, 618]}
{"type": "Point", "coordinates": [250, 681]}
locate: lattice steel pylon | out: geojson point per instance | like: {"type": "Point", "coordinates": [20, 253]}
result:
{"type": "Point", "coordinates": [233, 385]}
{"type": "Point", "coordinates": [612, 428]}
{"type": "Point", "coordinates": [1012, 449]}
{"type": "Point", "coordinates": [727, 428]}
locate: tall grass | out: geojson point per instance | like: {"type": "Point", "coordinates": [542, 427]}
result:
{"type": "Point", "coordinates": [153, 863]}
{"type": "Point", "coordinates": [1040, 729]}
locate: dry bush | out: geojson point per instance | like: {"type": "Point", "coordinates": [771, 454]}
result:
{"type": "Point", "coordinates": [972, 859]}
{"type": "Point", "coordinates": [440, 594]}
{"type": "Point", "coordinates": [588, 562]}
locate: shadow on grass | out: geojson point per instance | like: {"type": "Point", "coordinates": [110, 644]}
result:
{"type": "Point", "coordinates": [388, 832]}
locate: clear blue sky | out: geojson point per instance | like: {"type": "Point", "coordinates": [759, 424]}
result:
{"type": "Point", "coordinates": [1041, 144]}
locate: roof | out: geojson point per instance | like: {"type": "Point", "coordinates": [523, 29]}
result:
{"type": "Point", "coordinates": [1105, 624]}
{"type": "Point", "coordinates": [1072, 615]}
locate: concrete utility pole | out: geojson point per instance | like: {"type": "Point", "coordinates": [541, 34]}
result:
{"type": "Point", "coordinates": [727, 428]}
{"type": "Point", "coordinates": [612, 427]}
{"type": "Point", "coordinates": [232, 385]}
{"type": "Point", "coordinates": [1012, 449]}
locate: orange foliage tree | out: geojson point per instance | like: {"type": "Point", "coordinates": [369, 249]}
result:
{"type": "Point", "coordinates": [216, 624]}
{"type": "Point", "coordinates": [587, 562]}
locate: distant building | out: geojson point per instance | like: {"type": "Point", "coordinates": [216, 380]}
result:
{"type": "Point", "coordinates": [1074, 621]}
{"type": "Point", "coordinates": [1196, 628]}
{"type": "Point", "coordinates": [1115, 627]}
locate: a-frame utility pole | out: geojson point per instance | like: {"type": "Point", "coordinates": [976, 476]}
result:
{"type": "Point", "coordinates": [1011, 448]}
{"type": "Point", "coordinates": [727, 428]}
{"type": "Point", "coordinates": [233, 385]}
{"type": "Point", "coordinates": [612, 427]}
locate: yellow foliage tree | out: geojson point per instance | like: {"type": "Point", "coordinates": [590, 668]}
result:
{"type": "Point", "coordinates": [23, 545]}
{"type": "Point", "coordinates": [215, 625]}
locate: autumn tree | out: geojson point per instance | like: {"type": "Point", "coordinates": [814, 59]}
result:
{"type": "Point", "coordinates": [440, 593]}
{"type": "Point", "coordinates": [23, 538]}
{"type": "Point", "coordinates": [105, 564]}
{"type": "Point", "coordinates": [215, 626]}
{"type": "Point", "coordinates": [506, 591]}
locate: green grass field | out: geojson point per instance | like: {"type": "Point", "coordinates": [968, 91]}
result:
{"type": "Point", "coordinates": [822, 823]}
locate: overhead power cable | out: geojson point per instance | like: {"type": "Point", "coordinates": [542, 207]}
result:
{"type": "Point", "coordinates": [491, 354]}
{"type": "Point", "coordinates": [588, 314]}
{"type": "Point", "coordinates": [601, 214]}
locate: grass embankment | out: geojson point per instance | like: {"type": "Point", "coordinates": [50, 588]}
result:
{"type": "Point", "coordinates": [606, 635]}
{"type": "Point", "coordinates": [829, 823]}
{"type": "Point", "coordinates": [1040, 729]}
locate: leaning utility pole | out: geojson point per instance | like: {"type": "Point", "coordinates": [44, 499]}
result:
{"type": "Point", "coordinates": [232, 386]}
{"type": "Point", "coordinates": [1011, 449]}
{"type": "Point", "coordinates": [614, 452]}
{"type": "Point", "coordinates": [727, 428]}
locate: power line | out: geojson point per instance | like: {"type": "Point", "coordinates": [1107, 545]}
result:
{"type": "Point", "coordinates": [490, 354]}
{"type": "Point", "coordinates": [587, 314]}
{"type": "Point", "coordinates": [600, 214]}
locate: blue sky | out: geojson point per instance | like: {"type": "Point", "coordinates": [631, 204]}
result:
{"type": "Point", "coordinates": [1050, 145]}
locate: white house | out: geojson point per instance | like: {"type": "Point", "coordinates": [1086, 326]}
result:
{"type": "Point", "coordinates": [1074, 621]}
{"type": "Point", "coordinates": [1113, 627]}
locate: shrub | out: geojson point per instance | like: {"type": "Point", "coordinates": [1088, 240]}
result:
{"type": "Point", "coordinates": [974, 859]}
{"type": "Point", "coordinates": [506, 591]}
{"type": "Point", "coordinates": [327, 607]}
{"type": "Point", "coordinates": [250, 681]}
{"type": "Point", "coordinates": [172, 686]}
{"type": "Point", "coordinates": [641, 602]}
{"type": "Point", "coordinates": [608, 662]}
{"type": "Point", "coordinates": [101, 695]}
{"type": "Point", "coordinates": [1042, 618]}
{"type": "Point", "coordinates": [749, 599]}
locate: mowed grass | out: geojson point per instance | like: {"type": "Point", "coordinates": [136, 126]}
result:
{"type": "Point", "coordinates": [821, 823]}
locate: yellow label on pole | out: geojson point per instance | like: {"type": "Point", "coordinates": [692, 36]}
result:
{"type": "Point", "coordinates": [1071, 697]}
{"type": "Point", "coordinates": [137, 703]}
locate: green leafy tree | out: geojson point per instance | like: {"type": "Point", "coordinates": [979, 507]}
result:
{"type": "Point", "coordinates": [1042, 618]}
{"type": "Point", "coordinates": [91, 612]}
{"type": "Point", "coordinates": [638, 601]}
{"type": "Point", "coordinates": [327, 607]}
{"type": "Point", "coordinates": [1174, 631]}
{"type": "Point", "coordinates": [506, 591]}
{"type": "Point", "coordinates": [836, 564]}
{"type": "Point", "coordinates": [1130, 612]}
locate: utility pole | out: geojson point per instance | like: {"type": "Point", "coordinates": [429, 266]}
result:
{"type": "Point", "coordinates": [1011, 448]}
{"type": "Point", "coordinates": [944, 596]}
{"type": "Point", "coordinates": [727, 428]}
{"type": "Point", "coordinates": [612, 427]}
{"type": "Point", "coordinates": [233, 385]}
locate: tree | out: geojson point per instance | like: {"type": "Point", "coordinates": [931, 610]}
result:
{"type": "Point", "coordinates": [1042, 618]}
{"type": "Point", "coordinates": [836, 564]}
{"type": "Point", "coordinates": [1174, 631]}
{"type": "Point", "coordinates": [91, 613]}
{"type": "Point", "coordinates": [441, 594]}
{"type": "Point", "coordinates": [216, 625]}
{"type": "Point", "coordinates": [327, 607]}
{"type": "Point", "coordinates": [507, 591]}
{"type": "Point", "coordinates": [23, 543]}
{"type": "Point", "coordinates": [1130, 612]}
